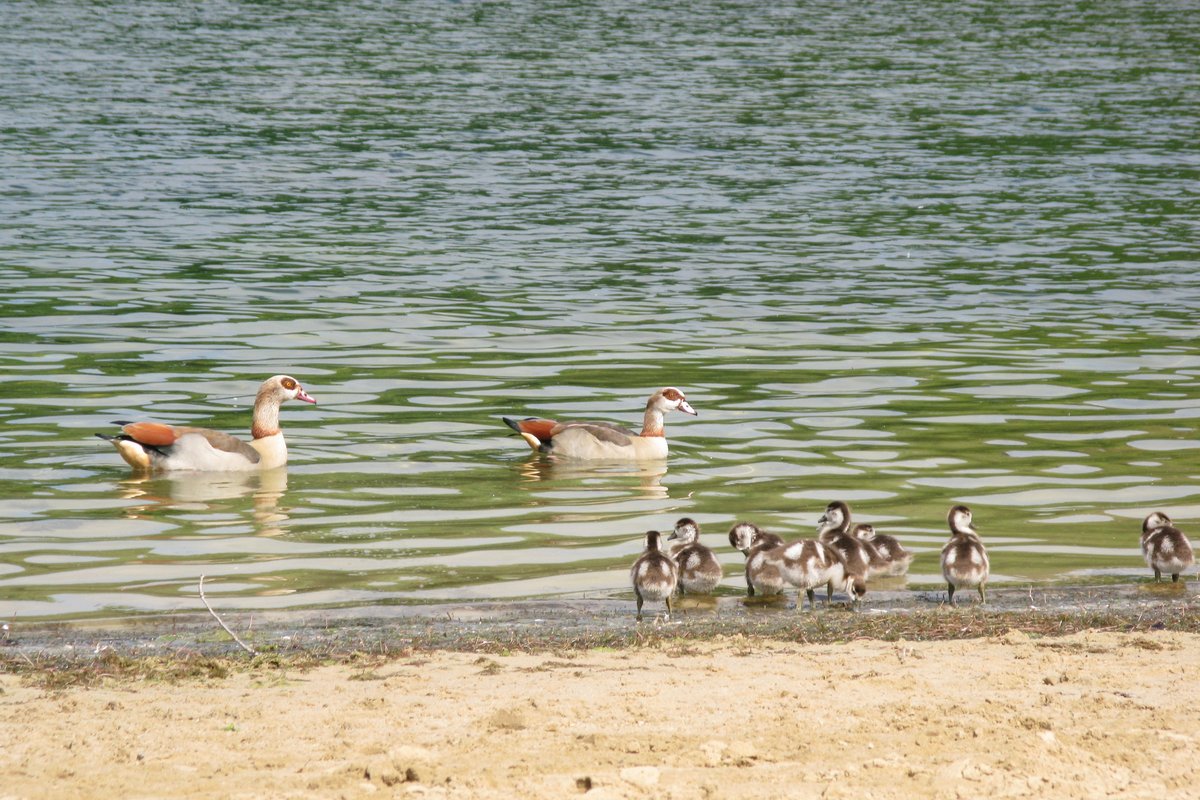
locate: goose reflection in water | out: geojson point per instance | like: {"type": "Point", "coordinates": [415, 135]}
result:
{"type": "Point", "coordinates": [589, 476]}
{"type": "Point", "coordinates": [208, 492]}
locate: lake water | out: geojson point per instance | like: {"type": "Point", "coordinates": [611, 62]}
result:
{"type": "Point", "coordinates": [905, 255]}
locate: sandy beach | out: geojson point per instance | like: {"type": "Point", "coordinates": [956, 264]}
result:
{"type": "Point", "coordinates": [1089, 714]}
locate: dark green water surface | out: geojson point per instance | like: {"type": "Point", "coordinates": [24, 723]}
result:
{"type": "Point", "coordinates": [902, 254]}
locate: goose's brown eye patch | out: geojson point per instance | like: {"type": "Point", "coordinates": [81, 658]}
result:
{"type": "Point", "coordinates": [672, 394]}
{"type": "Point", "coordinates": [289, 384]}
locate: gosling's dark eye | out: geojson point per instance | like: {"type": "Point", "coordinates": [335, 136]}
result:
{"type": "Point", "coordinates": [289, 384]}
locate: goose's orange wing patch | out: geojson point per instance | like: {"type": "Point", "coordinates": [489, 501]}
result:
{"type": "Point", "coordinates": [153, 434]}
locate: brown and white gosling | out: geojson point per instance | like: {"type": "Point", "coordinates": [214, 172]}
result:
{"type": "Point", "coordinates": [770, 567]}
{"type": "Point", "coordinates": [858, 555]}
{"type": "Point", "coordinates": [1165, 547]}
{"type": "Point", "coordinates": [762, 575]}
{"type": "Point", "coordinates": [835, 520]}
{"type": "Point", "coordinates": [810, 563]}
{"type": "Point", "coordinates": [964, 558]}
{"type": "Point", "coordinates": [654, 574]}
{"type": "Point", "coordinates": [889, 557]}
{"type": "Point", "coordinates": [699, 570]}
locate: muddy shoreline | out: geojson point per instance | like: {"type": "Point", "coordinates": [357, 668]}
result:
{"type": "Point", "coordinates": [539, 625]}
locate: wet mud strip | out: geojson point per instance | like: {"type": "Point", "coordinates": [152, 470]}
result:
{"type": "Point", "coordinates": [588, 623]}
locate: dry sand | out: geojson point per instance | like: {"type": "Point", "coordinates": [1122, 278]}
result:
{"type": "Point", "coordinates": [1090, 715]}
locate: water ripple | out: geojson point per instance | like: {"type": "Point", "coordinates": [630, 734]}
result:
{"type": "Point", "coordinates": [898, 273]}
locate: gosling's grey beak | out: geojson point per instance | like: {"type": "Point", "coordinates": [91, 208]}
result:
{"type": "Point", "coordinates": [673, 535]}
{"type": "Point", "coordinates": [686, 408]}
{"type": "Point", "coordinates": [821, 522]}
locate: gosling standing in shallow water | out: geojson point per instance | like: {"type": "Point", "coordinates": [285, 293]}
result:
{"type": "Point", "coordinates": [858, 555]}
{"type": "Point", "coordinates": [762, 575]}
{"type": "Point", "coordinates": [964, 558]}
{"type": "Point", "coordinates": [810, 563]}
{"type": "Point", "coordinates": [654, 574]}
{"type": "Point", "coordinates": [699, 570]}
{"type": "Point", "coordinates": [1165, 547]}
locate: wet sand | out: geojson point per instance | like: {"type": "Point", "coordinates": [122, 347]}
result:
{"type": "Point", "coordinates": [541, 624]}
{"type": "Point", "coordinates": [560, 699]}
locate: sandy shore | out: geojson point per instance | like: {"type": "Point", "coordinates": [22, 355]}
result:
{"type": "Point", "coordinates": [1087, 715]}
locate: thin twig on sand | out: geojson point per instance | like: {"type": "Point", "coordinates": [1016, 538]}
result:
{"type": "Point", "coordinates": [245, 646]}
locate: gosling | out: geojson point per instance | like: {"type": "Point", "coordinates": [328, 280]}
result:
{"type": "Point", "coordinates": [699, 570]}
{"type": "Point", "coordinates": [809, 563]}
{"type": "Point", "coordinates": [890, 557]}
{"type": "Point", "coordinates": [964, 558]}
{"type": "Point", "coordinates": [1165, 547]}
{"type": "Point", "coordinates": [857, 554]}
{"type": "Point", "coordinates": [762, 575]}
{"type": "Point", "coordinates": [654, 574]}
{"type": "Point", "coordinates": [835, 521]}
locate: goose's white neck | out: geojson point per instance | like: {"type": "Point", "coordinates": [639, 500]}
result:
{"type": "Point", "coordinates": [266, 414]}
{"type": "Point", "coordinates": [652, 423]}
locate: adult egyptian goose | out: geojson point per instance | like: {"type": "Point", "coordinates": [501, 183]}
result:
{"type": "Point", "coordinates": [160, 447]}
{"type": "Point", "coordinates": [603, 440]}
{"type": "Point", "coordinates": [654, 575]}
{"type": "Point", "coordinates": [964, 558]}
{"type": "Point", "coordinates": [1165, 547]}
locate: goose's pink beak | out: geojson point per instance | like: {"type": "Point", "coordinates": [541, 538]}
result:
{"type": "Point", "coordinates": [304, 396]}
